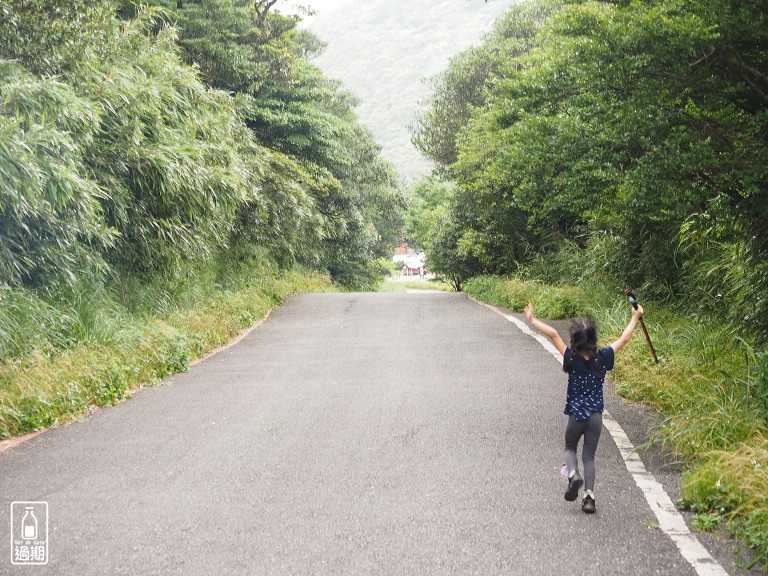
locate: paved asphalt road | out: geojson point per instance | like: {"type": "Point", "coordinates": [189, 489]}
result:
{"type": "Point", "coordinates": [349, 434]}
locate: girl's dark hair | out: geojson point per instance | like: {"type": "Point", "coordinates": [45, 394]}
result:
{"type": "Point", "coordinates": [583, 335]}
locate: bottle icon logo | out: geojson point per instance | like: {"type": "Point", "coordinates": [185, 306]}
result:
{"type": "Point", "coordinates": [29, 524]}
{"type": "Point", "coordinates": [29, 533]}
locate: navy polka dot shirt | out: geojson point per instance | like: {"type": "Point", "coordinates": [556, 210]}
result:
{"type": "Point", "coordinates": [585, 388]}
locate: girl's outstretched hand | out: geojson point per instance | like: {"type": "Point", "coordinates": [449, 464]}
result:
{"type": "Point", "coordinates": [529, 311]}
{"type": "Point", "coordinates": [637, 313]}
{"type": "Point", "coordinates": [544, 328]}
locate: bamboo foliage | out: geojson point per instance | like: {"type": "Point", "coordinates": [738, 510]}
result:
{"type": "Point", "coordinates": [164, 150]}
{"type": "Point", "coordinates": [50, 211]}
{"type": "Point", "coordinates": [54, 36]}
{"type": "Point", "coordinates": [120, 151]}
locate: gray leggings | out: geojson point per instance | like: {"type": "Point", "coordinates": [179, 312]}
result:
{"type": "Point", "coordinates": [591, 430]}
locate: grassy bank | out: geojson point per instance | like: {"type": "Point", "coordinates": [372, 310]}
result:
{"type": "Point", "coordinates": [710, 389]}
{"type": "Point", "coordinates": [62, 355]}
{"type": "Point", "coordinates": [398, 284]}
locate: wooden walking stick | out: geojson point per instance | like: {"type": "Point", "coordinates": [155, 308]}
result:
{"type": "Point", "coordinates": [633, 300]}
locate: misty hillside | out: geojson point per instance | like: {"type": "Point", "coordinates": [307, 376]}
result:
{"type": "Point", "coordinates": [383, 49]}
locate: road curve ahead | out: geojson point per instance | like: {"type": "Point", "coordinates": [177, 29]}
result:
{"type": "Point", "coordinates": [349, 434]}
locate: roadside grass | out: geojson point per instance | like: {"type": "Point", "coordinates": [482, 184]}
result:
{"type": "Point", "coordinates": [551, 302]}
{"type": "Point", "coordinates": [398, 285]}
{"type": "Point", "coordinates": [61, 357]}
{"type": "Point", "coordinates": [710, 389]}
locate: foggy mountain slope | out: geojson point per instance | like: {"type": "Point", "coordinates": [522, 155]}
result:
{"type": "Point", "coordinates": [383, 50]}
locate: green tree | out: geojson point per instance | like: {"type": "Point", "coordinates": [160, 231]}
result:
{"type": "Point", "coordinates": [139, 160]}
{"type": "Point", "coordinates": [466, 84]}
{"type": "Point", "coordinates": [308, 124]}
{"type": "Point", "coordinates": [632, 131]}
{"type": "Point", "coordinates": [54, 36]}
{"type": "Point", "coordinates": [429, 206]}
{"type": "Point", "coordinates": [165, 151]}
{"type": "Point", "coordinates": [51, 222]}
{"type": "Point", "coordinates": [131, 159]}
{"type": "Point", "coordinates": [450, 257]}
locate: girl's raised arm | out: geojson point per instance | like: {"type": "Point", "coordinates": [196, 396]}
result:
{"type": "Point", "coordinates": [628, 331]}
{"type": "Point", "coordinates": [545, 329]}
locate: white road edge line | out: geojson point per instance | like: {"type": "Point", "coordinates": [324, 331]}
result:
{"type": "Point", "coordinates": [671, 522]}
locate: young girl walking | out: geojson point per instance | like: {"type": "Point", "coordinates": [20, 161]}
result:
{"type": "Point", "coordinates": [586, 367]}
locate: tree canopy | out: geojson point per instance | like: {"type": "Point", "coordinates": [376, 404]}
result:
{"type": "Point", "coordinates": [133, 139]}
{"type": "Point", "coordinates": [623, 138]}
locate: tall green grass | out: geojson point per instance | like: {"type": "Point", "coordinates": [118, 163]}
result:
{"type": "Point", "coordinates": [710, 389]}
{"type": "Point", "coordinates": [61, 355]}
{"type": "Point", "coordinates": [551, 302]}
{"type": "Point", "coordinates": [401, 285]}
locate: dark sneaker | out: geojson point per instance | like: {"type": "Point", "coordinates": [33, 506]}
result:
{"type": "Point", "coordinates": [588, 504]}
{"type": "Point", "coordinates": [574, 484]}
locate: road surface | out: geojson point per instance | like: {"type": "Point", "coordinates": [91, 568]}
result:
{"type": "Point", "coordinates": [349, 434]}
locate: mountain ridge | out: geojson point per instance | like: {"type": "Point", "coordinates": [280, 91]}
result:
{"type": "Point", "coordinates": [383, 50]}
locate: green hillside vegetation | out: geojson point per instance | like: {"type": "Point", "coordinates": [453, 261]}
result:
{"type": "Point", "coordinates": [586, 147]}
{"type": "Point", "coordinates": [383, 49]}
{"type": "Point", "coordinates": [167, 174]}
